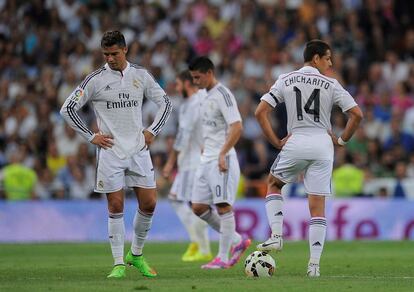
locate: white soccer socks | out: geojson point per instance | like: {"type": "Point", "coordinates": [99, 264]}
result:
{"type": "Point", "coordinates": [274, 212]}
{"type": "Point", "coordinates": [142, 224]}
{"type": "Point", "coordinates": [116, 231]}
{"type": "Point", "coordinates": [212, 218]}
{"type": "Point", "coordinates": [201, 235]}
{"type": "Point", "coordinates": [227, 231]}
{"type": "Point", "coordinates": [317, 233]}
{"type": "Point", "coordinates": [186, 216]}
{"type": "Point", "coordinates": [196, 227]}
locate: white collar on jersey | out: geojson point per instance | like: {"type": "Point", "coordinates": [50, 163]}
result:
{"type": "Point", "coordinates": [119, 72]}
{"type": "Point", "coordinates": [308, 69]}
{"type": "Point", "coordinates": [215, 86]}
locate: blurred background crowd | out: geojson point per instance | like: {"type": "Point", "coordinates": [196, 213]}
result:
{"type": "Point", "coordinates": [47, 47]}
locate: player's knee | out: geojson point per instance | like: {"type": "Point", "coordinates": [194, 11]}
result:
{"type": "Point", "coordinates": [115, 206]}
{"type": "Point", "coordinates": [274, 184]}
{"type": "Point", "coordinates": [317, 210]}
{"type": "Point", "coordinates": [115, 202]}
{"type": "Point", "coordinates": [316, 206]}
{"type": "Point", "coordinates": [149, 206]}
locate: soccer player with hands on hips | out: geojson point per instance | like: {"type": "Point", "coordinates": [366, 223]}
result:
{"type": "Point", "coordinates": [116, 92]}
{"type": "Point", "coordinates": [218, 174]}
{"type": "Point", "coordinates": [186, 152]}
{"type": "Point", "coordinates": [309, 147]}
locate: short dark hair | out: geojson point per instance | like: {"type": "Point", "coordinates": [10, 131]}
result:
{"type": "Point", "coordinates": [315, 47]}
{"type": "Point", "coordinates": [186, 76]}
{"type": "Point", "coordinates": [111, 38]}
{"type": "Point", "coordinates": [202, 64]}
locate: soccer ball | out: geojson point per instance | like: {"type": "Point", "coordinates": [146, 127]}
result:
{"type": "Point", "coordinates": [259, 264]}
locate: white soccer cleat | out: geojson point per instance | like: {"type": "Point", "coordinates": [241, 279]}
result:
{"type": "Point", "coordinates": [313, 271]}
{"type": "Point", "coordinates": [274, 243]}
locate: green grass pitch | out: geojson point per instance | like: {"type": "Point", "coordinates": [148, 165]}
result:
{"type": "Point", "coordinates": [345, 266]}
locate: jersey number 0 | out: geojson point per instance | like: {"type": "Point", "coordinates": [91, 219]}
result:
{"type": "Point", "coordinates": [313, 99]}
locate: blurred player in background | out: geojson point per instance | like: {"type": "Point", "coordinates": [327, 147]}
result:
{"type": "Point", "coordinates": [116, 92]}
{"type": "Point", "coordinates": [309, 147]}
{"type": "Point", "coordinates": [218, 175]}
{"type": "Point", "coordinates": [186, 152]}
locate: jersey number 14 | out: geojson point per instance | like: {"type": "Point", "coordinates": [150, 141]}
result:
{"type": "Point", "coordinates": [313, 99]}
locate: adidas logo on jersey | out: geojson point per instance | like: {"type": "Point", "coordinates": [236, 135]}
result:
{"type": "Point", "coordinates": [108, 88]}
{"type": "Point", "coordinates": [317, 244]}
{"type": "Point", "coordinates": [135, 83]}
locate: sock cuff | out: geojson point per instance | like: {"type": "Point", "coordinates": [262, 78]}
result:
{"type": "Point", "coordinates": [227, 215]}
{"type": "Point", "coordinates": [173, 199]}
{"type": "Point", "coordinates": [271, 197]}
{"type": "Point", "coordinates": [318, 221]}
{"type": "Point", "coordinates": [145, 214]}
{"type": "Point", "coordinates": [116, 215]}
{"type": "Point", "coordinates": [206, 214]}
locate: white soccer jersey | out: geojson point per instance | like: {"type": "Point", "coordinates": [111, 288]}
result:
{"type": "Point", "coordinates": [189, 138]}
{"type": "Point", "coordinates": [117, 101]}
{"type": "Point", "coordinates": [218, 111]}
{"type": "Point", "coordinates": [309, 97]}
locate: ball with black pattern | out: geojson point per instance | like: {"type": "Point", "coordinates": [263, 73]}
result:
{"type": "Point", "coordinates": [259, 264]}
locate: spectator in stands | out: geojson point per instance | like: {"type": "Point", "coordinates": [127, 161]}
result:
{"type": "Point", "coordinates": [47, 187]}
{"type": "Point", "coordinates": [386, 167]}
{"type": "Point", "coordinates": [82, 184]}
{"type": "Point", "coordinates": [410, 167]}
{"type": "Point", "coordinates": [189, 26]}
{"type": "Point", "coordinates": [347, 179]}
{"type": "Point", "coordinates": [204, 43]}
{"type": "Point", "coordinates": [358, 143]}
{"type": "Point", "coordinates": [54, 160]}
{"type": "Point", "coordinates": [67, 141]}
{"type": "Point", "coordinates": [398, 137]}
{"type": "Point", "coordinates": [214, 23]}
{"type": "Point", "coordinates": [403, 183]}
{"type": "Point", "coordinates": [400, 175]}
{"type": "Point", "coordinates": [408, 122]}
{"type": "Point", "coordinates": [400, 100]}
{"type": "Point", "coordinates": [19, 181]}
{"type": "Point", "coordinates": [383, 192]}
{"type": "Point", "coordinates": [394, 70]}
{"type": "Point", "coordinates": [42, 56]}
{"type": "Point", "coordinates": [382, 109]}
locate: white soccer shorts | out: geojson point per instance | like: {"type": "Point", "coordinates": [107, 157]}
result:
{"type": "Point", "coordinates": [182, 186]}
{"type": "Point", "coordinates": [317, 173]}
{"type": "Point", "coordinates": [212, 186]}
{"type": "Point", "coordinates": [113, 173]}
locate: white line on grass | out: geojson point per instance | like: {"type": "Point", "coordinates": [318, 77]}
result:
{"type": "Point", "coordinates": [371, 277]}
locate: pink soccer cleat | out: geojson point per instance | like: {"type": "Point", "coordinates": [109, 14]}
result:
{"type": "Point", "coordinates": [215, 264]}
{"type": "Point", "coordinates": [237, 251]}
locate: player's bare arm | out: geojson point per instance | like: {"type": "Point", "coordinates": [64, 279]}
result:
{"type": "Point", "coordinates": [103, 140]}
{"type": "Point", "coordinates": [231, 140]}
{"type": "Point", "coordinates": [355, 117]}
{"type": "Point", "coordinates": [262, 115]}
{"type": "Point", "coordinates": [169, 165]}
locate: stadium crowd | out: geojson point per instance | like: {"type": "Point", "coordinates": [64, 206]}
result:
{"type": "Point", "coordinates": [48, 46]}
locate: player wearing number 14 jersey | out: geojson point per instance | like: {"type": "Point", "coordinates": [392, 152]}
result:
{"type": "Point", "coordinates": [309, 147]}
